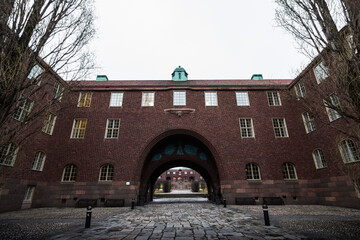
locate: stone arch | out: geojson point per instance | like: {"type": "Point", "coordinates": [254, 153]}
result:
{"type": "Point", "coordinates": [178, 148]}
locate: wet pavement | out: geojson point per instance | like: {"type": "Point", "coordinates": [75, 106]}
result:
{"type": "Point", "coordinates": [183, 221]}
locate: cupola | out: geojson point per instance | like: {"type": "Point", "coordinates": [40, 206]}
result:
{"type": "Point", "coordinates": [179, 74]}
{"type": "Point", "coordinates": [257, 77]}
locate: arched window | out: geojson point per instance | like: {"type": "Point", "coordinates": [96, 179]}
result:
{"type": "Point", "coordinates": [319, 159]}
{"type": "Point", "coordinates": [8, 154]}
{"type": "Point", "coordinates": [252, 171]}
{"type": "Point", "coordinates": [348, 151]}
{"type": "Point", "coordinates": [106, 173]}
{"type": "Point", "coordinates": [39, 161]}
{"type": "Point", "coordinates": [289, 171]}
{"type": "Point", "coordinates": [69, 174]}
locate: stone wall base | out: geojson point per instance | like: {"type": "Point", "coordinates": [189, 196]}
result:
{"type": "Point", "coordinates": [334, 191]}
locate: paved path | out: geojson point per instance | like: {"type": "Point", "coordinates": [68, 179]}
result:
{"type": "Point", "coordinates": [183, 221]}
{"type": "Point", "coordinates": [179, 222]}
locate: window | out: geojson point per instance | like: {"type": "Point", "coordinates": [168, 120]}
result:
{"type": "Point", "coordinates": [319, 159]}
{"type": "Point", "coordinates": [330, 103]}
{"type": "Point", "coordinates": [179, 98]}
{"type": "Point", "coordinates": [279, 127]}
{"type": "Point", "coordinates": [357, 186]}
{"type": "Point", "coordinates": [185, 172]}
{"type": "Point", "coordinates": [252, 171]}
{"type": "Point", "coordinates": [8, 154]}
{"type": "Point", "coordinates": [106, 173]}
{"type": "Point", "coordinates": [29, 193]}
{"type": "Point", "coordinates": [39, 161]}
{"type": "Point", "coordinates": [309, 122]}
{"type": "Point", "coordinates": [69, 174]}
{"type": "Point", "coordinates": [84, 99]}
{"type": "Point", "coordinates": [58, 91]}
{"type": "Point", "coordinates": [321, 72]}
{"type": "Point", "coordinates": [273, 98]}
{"type": "Point", "coordinates": [34, 74]}
{"type": "Point", "coordinates": [174, 172]}
{"type": "Point", "coordinates": [116, 99]}
{"type": "Point", "coordinates": [246, 128]}
{"type": "Point", "coordinates": [300, 90]}
{"type": "Point", "coordinates": [242, 99]}
{"type": "Point", "coordinates": [211, 99]}
{"type": "Point", "coordinates": [191, 172]}
{"type": "Point", "coordinates": [79, 127]}
{"type": "Point", "coordinates": [168, 173]}
{"type": "Point", "coordinates": [23, 109]}
{"type": "Point", "coordinates": [289, 172]}
{"type": "Point", "coordinates": [348, 151]}
{"type": "Point", "coordinates": [112, 128]}
{"type": "Point", "coordinates": [49, 124]}
{"type": "Point", "coordinates": [148, 99]}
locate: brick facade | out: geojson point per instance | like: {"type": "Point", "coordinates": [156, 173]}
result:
{"type": "Point", "coordinates": [205, 138]}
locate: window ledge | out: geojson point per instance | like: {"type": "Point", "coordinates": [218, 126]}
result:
{"type": "Point", "coordinates": [291, 181]}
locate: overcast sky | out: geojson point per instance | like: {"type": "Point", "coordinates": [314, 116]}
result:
{"type": "Point", "coordinates": [211, 39]}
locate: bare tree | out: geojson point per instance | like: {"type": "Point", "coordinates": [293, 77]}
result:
{"type": "Point", "coordinates": [328, 31]}
{"type": "Point", "coordinates": [40, 39]}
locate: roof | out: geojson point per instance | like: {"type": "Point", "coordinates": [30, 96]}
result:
{"type": "Point", "coordinates": [191, 84]}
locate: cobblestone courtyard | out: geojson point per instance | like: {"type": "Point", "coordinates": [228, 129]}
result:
{"type": "Point", "coordinates": [183, 221]}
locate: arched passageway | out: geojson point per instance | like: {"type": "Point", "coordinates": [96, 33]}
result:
{"type": "Point", "coordinates": [179, 150]}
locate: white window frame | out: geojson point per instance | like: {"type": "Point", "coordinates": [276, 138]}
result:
{"type": "Point", "coordinates": [286, 171]}
{"type": "Point", "coordinates": [148, 99]}
{"type": "Point", "coordinates": [348, 151]}
{"type": "Point", "coordinates": [116, 99]}
{"type": "Point", "coordinates": [273, 98]}
{"type": "Point", "coordinates": [29, 193]}
{"type": "Point", "coordinates": [282, 129]}
{"type": "Point", "coordinates": [84, 99]}
{"type": "Point", "coordinates": [39, 161]}
{"type": "Point", "coordinates": [77, 129]}
{"type": "Point", "coordinates": [58, 91]}
{"type": "Point", "coordinates": [49, 124]}
{"type": "Point", "coordinates": [179, 98]}
{"type": "Point", "coordinates": [320, 72]}
{"type": "Point", "coordinates": [300, 90]}
{"type": "Point", "coordinates": [24, 107]}
{"type": "Point", "coordinates": [247, 129]}
{"type": "Point", "coordinates": [319, 159]}
{"type": "Point", "coordinates": [332, 113]}
{"type": "Point", "coordinates": [211, 98]}
{"type": "Point", "coordinates": [112, 131]}
{"type": "Point", "coordinates": [72, 173]}
{"type": "Point", "coordinates": [309, 122]}
{"type": "Point", "coordinates": [106, 173]}
{"type": "Point", "coordinates": [242, 98]}
{"type": "Point", "coordinates": [250, 169]}
{"type": "Point", "coordinates": [34, 74]}
{"type": "Point", "coordinates": [8, 154]}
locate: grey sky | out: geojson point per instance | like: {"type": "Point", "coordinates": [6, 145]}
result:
{"type": "Point", "coordinates": [211, 39]}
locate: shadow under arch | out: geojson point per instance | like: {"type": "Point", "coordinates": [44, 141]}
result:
{"type": "Point", "coordinates": [178, 148]}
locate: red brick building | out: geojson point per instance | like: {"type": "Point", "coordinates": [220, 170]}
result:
{"type": "Point", "coordinates": [180, 177]}
{"type": "Point", "coordinates": [248, 139]}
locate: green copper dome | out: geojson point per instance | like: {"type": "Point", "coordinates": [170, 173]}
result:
{"type": "Point", "coordinates": [179, 74]}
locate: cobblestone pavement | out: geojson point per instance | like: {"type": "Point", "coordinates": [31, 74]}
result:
{"type": "Point", "coordinates": [180, 222]}
{"type": "Point", "coordinates": [183, 221]}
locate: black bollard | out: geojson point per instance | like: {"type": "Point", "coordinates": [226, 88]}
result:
{"type": "Point", "coordinates": [224, 202]}
{"type": "Point", "coordinates": [132, 203]}
{"type": "Point", "coordinates": [88, 217]}
{"type": "Point", "coordinates": [266, 215]}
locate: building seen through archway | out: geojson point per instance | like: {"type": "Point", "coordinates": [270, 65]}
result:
{"type": "Point", "coordinates": [180, 178]}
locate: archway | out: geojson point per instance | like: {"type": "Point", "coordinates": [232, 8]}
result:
{"type": "Point", "coordinates": [179, 149]}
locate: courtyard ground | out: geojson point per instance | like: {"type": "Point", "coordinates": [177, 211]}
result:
{"type": "Point", "coordinates": [195, 220]}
